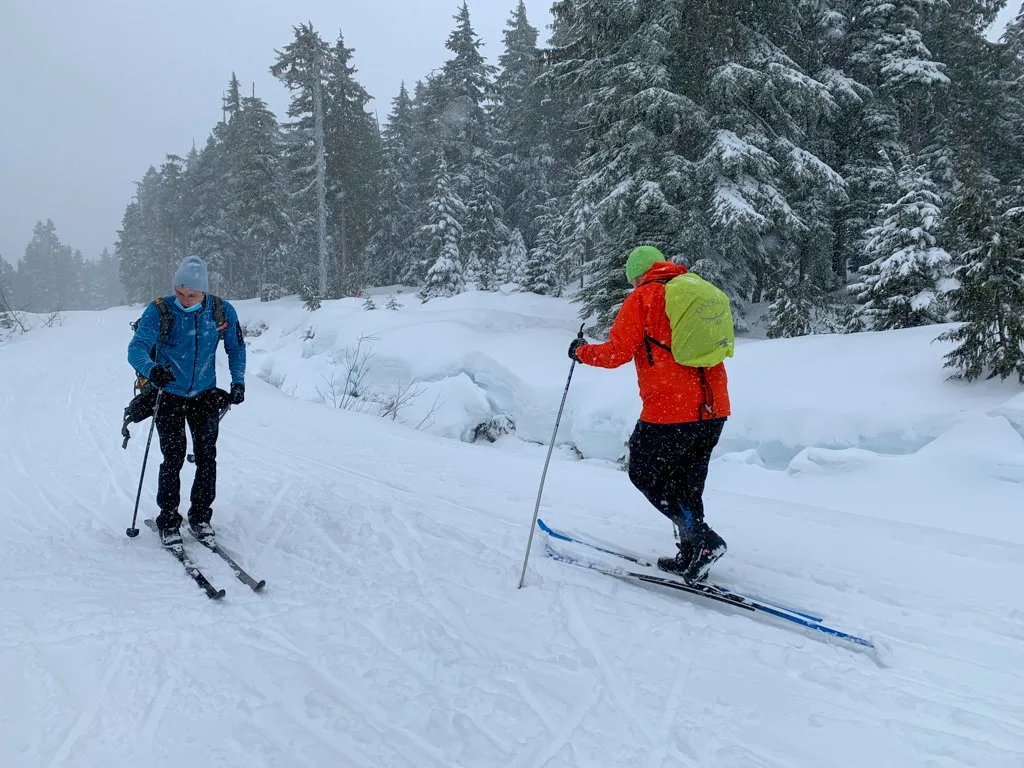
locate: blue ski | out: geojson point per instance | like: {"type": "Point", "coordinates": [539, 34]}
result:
{"type": "Point", "coordinates": [647, 564]}
{"type": "Point", "coordinates": [710, 592]}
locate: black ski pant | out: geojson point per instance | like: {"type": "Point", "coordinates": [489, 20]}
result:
{"type": "Point", "coordinates": [668, 463]}
{"type": "Point", "coordinates": [202, 415]}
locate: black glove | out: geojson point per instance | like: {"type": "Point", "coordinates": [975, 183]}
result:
{"type": "Point", "coordinates": [576, 344]}
{"type": "Point", "coordinates": [237, 394]}
{"type": "Point", "coordinates": [161, 376]}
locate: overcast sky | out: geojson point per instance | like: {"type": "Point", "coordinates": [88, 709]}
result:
{"type": "Point", "coordinates": [93, 92]}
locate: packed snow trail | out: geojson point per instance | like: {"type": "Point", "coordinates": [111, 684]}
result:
{"type": "Point", "coordinates": [391, 631]}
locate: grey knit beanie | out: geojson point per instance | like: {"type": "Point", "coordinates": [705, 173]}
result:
{"type": "Point", "coordinates": [192, 274]}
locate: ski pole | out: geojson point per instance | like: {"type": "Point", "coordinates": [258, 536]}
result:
{"type": "Point", "coordinates": [551, 447]}
{"type": "Point", "coordinates": [132, 532]}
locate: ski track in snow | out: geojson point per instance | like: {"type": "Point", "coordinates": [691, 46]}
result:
{"type": "Point", "coordinates": [391, 632]}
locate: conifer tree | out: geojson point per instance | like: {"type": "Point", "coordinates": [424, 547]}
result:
{"type": "Point", "coordinates": [209, 189]}
{"type": "Point", "coordinates": [109, 280]}
{"type": "Point", "coordinates": [353, 162]}
{"type": "Point", "coordinates": [1010, 124]}
{"type": "Point", "coordinates": [8, 298]}
{"type": "Point", "coordinates": [49, 272]}
{"type": "Point", "coordinates": [900, 285]}
{"type": "Point", "coordinates": [634, 175]}
{"type": "Point", "coordinates": [441, 236]}
{"type": "Point", "coordinates": [258, 211]}
{"type": "Point", "coordinates": [520, 121]}
{"type": "Point", "coordinates": [302, 66]}
{"type": "Point", "coordinates": [395, 219]}
{"type": "Point", "coordinates": [989, 295]}
{"type": "Point", "coordinates": [540, 272]}
{"type": "Point", "coordinates": [460, 94]}
{"type": "Point", "coordinates": [460, 91]}
{"type": "Point", "coordinates": [512, 266]}
{"type": "Point", "coordinates": [486, 235]}
{"type": "Point", "coordinates": [968, 114]}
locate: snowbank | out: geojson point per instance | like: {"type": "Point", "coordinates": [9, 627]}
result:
{"type": "Point", "coordinates": [480, 357]}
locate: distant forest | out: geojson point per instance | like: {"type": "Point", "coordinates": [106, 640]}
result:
{"type": "Point", "coordinates": [843, 165]}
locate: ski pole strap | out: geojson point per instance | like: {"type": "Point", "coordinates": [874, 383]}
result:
{"type": "Point", "coordinates": [707, 406]}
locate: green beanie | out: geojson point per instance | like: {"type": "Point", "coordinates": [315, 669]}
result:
{"type": "Point", "coordinates": [642, 259]}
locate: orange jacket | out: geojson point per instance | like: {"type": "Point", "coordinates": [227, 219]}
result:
{"type": "Point", "coordinates": [671, 393]}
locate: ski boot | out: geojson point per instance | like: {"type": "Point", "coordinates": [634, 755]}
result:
{"type": "Point", "coordinates": [204, 532]}
{"type": "Point", "coordinates": [697, 553]}
{"type": "Point", "coordinates": [168, 527]}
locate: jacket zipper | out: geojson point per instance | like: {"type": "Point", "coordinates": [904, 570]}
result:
{"type": "Point", "coordinates": [195, 357]}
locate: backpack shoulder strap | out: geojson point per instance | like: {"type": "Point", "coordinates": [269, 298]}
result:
{"type": "Point", "coordinates": [220, 316]}
{"type": "Point", "coordinates": [648, 339]}
{"type": "Point", "coordinates": [166, 320]}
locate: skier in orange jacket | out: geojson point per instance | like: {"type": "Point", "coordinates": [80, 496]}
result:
{"type": "Point", "coordinates": [684, 411]}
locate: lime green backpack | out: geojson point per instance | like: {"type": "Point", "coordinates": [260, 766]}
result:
{"type": "Point", "coordinates": [701, 318]}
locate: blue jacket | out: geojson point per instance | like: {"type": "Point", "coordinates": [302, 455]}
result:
{"type": "Point", "coordinates": [190, 348]}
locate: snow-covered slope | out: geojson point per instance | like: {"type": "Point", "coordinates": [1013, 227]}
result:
{"type": "Point", "coordinates": [853, 479]}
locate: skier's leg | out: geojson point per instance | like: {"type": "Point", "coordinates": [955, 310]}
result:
{"type": "Point", "coordinates": [204, 424]}
{"type": "Point", "coordinates": [696, 443]}
{"type": "Point", "coordinates": [706, 545]}
{"type": "Point", "coordinates": [650, 465]}
{"type": "Point", "coordinates": [170, 427]}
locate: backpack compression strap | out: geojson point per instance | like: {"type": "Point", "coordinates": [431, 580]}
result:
{"type": "Point", "coordinates": [220, 317]}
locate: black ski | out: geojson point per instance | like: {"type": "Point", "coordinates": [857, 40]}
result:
{"type": "Point", "coordinates": [243, 577]}
{"type": "Point", "coordinates": [178, 551]}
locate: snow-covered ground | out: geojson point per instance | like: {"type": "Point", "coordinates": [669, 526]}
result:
{"type": "Point", "coordinates": [852, 479]}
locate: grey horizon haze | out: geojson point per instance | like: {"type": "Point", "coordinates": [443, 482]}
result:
{"type": "Point", "coordinates": [93, 92]}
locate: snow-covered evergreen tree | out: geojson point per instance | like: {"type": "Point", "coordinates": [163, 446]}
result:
{"type": "Point", "coordinates": [971, 113]}
{"type": "Point", "coordinates": [258, 210]}
{"type": "Point", "coordinates": [461, 91]}
{"type": "Point", "coordinates": [885, 52]}
{"type": "Point", "coordinates": [521, 118]}
{"type": "Point", "coordinates": [109, 280]}
{"type": "Point", "coordinates": [792, 312]}
{"type": "Point", "coordinates": [540, 272]}
{"type": "Point", "coordinates": [635, 175]}
{"type": "Point", "coordinates": [209, 185]}
{"type": "Point", "coordinates": [900, 286]}
{"type": "Point", "coordinates": [8, 298]}
{"type": "Point", "coordinates": [6, 280]}
{"type": "Point", "coordinates": [458, 96]}
{"type": "Point", "coordinates": [763, 163]}
{"type": "Point", "coordinates": [989, 275]}
{"type": "Point", "coordinates": [302, 66]}
{"type": "Point", "coordinates": [1010, 125]}
{"type": "Point", "coordinates": [49, 272]}
{"type": "Point", "coordinates": [441, 236]}
{"type": "Point", "coordinates": [353, 163]}
{"type": "Point", "coordinates": [395, 219]}
{"type": "Point", "coordinates": [155, 233]}
{"type": "Point", "coordinates": [485, 233]}
{"type": "Point", "coordinates": [512, 266]}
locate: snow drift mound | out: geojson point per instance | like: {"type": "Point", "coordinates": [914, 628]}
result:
{"type": "Point", "coordinates": [481, 364]}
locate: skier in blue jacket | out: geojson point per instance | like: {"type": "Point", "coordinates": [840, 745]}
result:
{"type": "Point", "coordinates": [184, 368]}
